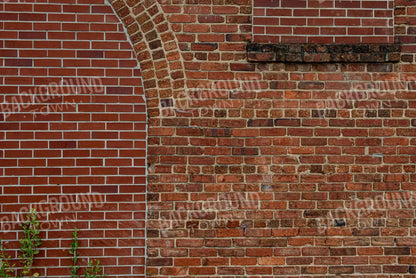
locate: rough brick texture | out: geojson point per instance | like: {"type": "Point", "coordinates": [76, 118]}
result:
{"type": "Point", "coordinates": [254, 169]}
{"type": "Point", "coordinates": [323, 53]}
{"type": "Point", "coordinates": [323, 21]}
{"type": "Point", "coordinates": [281, 169]}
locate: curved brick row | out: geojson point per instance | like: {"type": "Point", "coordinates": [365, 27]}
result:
{"type": "Point", "coordinates": [156, 48]}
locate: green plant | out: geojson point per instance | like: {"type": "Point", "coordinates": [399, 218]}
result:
{"type": "Point", "coordinates": [30, 242]}
{"type": "Point", "coordinates": [5, 267]}
{"type": "Point", "coordinates": [92, 271]}
{"type": "Point", "coordinates": [28, 248]}
{"type": "Point", "coordinates": [74, 253]}
{"type": "Point", "coordinates": [29, 245]}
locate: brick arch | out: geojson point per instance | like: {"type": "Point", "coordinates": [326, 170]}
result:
{"type": "Point", "coordinates": [163, 75]}
{"type": "Point", "coordinates": [157, 51]}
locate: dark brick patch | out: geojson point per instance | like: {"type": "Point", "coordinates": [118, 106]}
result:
{"type": "Point", "coordinates": [323, 53]}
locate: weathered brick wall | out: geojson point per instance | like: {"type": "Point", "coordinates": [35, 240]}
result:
{"type": "Point", "coordinates": [254, 169]}
{"type": "Point", "coordinates": [281, 169]}
{"type": "Point", "coordinates": [73, 134]}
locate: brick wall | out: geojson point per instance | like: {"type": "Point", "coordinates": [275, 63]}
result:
{"type": "Point", "coordinates": [281, 169]}
{"type": "Point", "coordinates": [73, 134]}
{"type": "Point", "coordinates": [254, 169]}
{"type": "Point", "coordinates": [332, 21]}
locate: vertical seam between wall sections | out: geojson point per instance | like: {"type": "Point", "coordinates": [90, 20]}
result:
{"type": "Point", "coordinates": [147, 137]}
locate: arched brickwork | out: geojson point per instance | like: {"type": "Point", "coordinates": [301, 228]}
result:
{"type": "Point", "coordinates": [163, 73]}
{"type": "Point", "coordinates": [157, 50]}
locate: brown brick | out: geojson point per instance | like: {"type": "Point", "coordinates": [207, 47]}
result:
{"type": "Point", "coordinates": [341, 269]}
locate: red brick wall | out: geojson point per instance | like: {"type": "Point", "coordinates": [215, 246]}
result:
{"type": "Point", "coordinates": [254, 169]}
{"type": "Point", "coordinates": [306, 172]}
{"type": "Point", "coordinates": [73, 122]}
{"type": "Point", "coordinates": [323, 21]}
